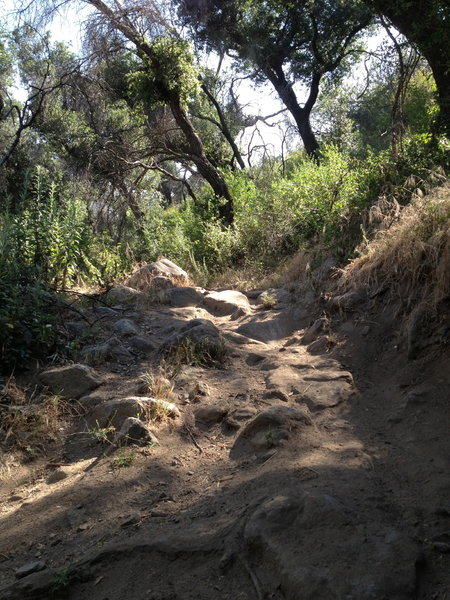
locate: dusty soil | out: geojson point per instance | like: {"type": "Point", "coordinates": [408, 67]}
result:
{"type": "Point", "coordinates": [345, 497]}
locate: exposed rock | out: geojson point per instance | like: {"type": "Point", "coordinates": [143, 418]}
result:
{"type": "Point", "coordinates": [141, 344]}
{"type": "Point", "coordinates": [210, 414]}
{"type": "Point", "coordinates": [269, 439]}
{"type": "Point", "coordinates": [112, 349]}
{"type": "Point", "coordinates": [28, 568]}
{"type": "Point", "coordinates": [72, 381]}
{"type": "Point", "coordinates": [125, 327]}
{"type": "Point", "coordinates": [203, 388]}
{"type": "Point", "coordinates": [417, 330]}
{"type": "Point", "coordinates": [122, 294]}
{"type": "Point", "coordinates": [312, 332]}
{"type": "Point", "coordinates": [181, 297]}
{"type": "Point", "coordinates": [135, 431]}
{"type": "Point", "coordinates": [57, 475]}
{"type": "Point", "coordinates": [319, 346]}
{"type": "Point", "coordinates": [143, 277]}
{"type": "Point", "coordinates": [244, 413]}
{"type": "Point", "coordinates": [114, 412]}
{"type": "Point", "coordinates": [105, 311]}
{"type": "Point", "coordinates": [324, 271]}
{"type": "Point", "coordinates": [348, 301]}
{"type": "Point", "coordinates": [254, 359]}
{"type": "Point", "coordinates": [241, 311]}
{"type": "Point", "coordinates": [75, 328]}
{"type": "Point", "coordinates": [279, 394]}
{"type": "Point", "coordinates": [90, 401]}
{"type": "Point", "coordinates": [322, 387]}
{"type": "Point", "coordinates": [201, 333]}
{"type": "Point", "coordinates": [379, 562]}
{"type": "Point", "coordinates": [272, 426]}
{"type": "Point", "coordinates": [270, 327]}
{"type": "Point", "coordinates": [225, 303]}
{"type": "Point", "coordinates": [162, 283]}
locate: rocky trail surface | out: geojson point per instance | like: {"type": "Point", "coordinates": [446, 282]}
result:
{"type": "Point", "coordinates": [304, 458]}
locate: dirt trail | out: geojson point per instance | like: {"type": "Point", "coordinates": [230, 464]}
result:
{"type": "Point", "coordinates": [324, 475]}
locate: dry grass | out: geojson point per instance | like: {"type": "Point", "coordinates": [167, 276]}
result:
{"type": "Point", "coordinates": [202, 354]}
{"type": "Point", "coordinates": [158, 384]}
{"type": "Point", "coordinates": [29, 421]}
{"type": "Point", "coordinates": [293, 269]}
{"type": "Point", "coordinates": [410, 253]}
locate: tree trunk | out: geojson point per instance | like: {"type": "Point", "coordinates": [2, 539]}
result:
{"type": "Point", "coordinates": [197, 153]}
{"type": "Point", "coordinates": [199, 158]}
{"type": "Point", "coordinates": [301, 115]}
{"type": "Point", "coordinates": [224, 127]}
{"type": "Point", "coordinates": [426, 25]}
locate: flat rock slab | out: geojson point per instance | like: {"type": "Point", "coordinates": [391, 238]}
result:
{"type": "Point", "coordinates": [109, 350]}
{"type": "Point", "coordinates": [270, 427]}
{"type": "Point", "coordinates": [226, 303]}
{"type": "Point", "coordinates": [28, 568]}
{"type": "Point", "coordinates": [377, 560]}
{"type": "Point", "coordinates": [270, 327]}
{"type": "Point", "coordinates": [180, 297]}
{"type": "Point", "coordinates": [320, 388]}
{"type": "Point", "coordinates": [72, 381]}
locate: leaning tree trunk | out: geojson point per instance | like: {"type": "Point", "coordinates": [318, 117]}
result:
{"type": "Point", "coordinates": [301, 115]}
{"type": "Point", "coordinates": [197, 154]}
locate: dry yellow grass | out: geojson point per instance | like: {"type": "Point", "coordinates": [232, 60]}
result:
{"type": "Point", "coordinates": [293, 269]}
{"type": "Point", "coordinates": [410, 253]}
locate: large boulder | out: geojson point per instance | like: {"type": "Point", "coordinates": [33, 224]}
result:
{"type": "Point", "coordinates": [142, 279]}
{"type": "Point", "coordinates": [225, 303]}
{"type": "Point", "coordinates": [183, 296]}
{"type": "Point", "coordinates": [316, 545]}
{"type": "Point", "coordinates": [201, 337]}
{"type": "Point", "coordinates": [72, 381]}
{"type": "Point", "coordinates": [122, 294]}
{"type": "Point", "coordinates": [270, 427]}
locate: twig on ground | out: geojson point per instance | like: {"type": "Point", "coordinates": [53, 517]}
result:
{"type": "Point", "coordinates": [194, 441]}
{"type": "Point", "coordinates": [252, 577]}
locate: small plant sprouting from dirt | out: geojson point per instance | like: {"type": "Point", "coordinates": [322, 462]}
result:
{"type": "Point", "coordinates": [124, 458]}
{"type": "Point", "coordinates": [160, 411]}
{"type": "Point", "coordinates": [102, 434]}
{"type": "Point", "coordinates": [60, 582]}
{"type": "Point", "coordinates": [157, 384]}
{"type": "Point", "coordinates": [268, 301]}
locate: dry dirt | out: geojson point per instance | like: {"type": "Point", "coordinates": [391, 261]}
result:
{"type": "Point", "coordinates": [345, 497]}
